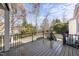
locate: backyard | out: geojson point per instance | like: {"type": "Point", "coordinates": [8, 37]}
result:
{"type": "Point", "coordinates": [38, 29]}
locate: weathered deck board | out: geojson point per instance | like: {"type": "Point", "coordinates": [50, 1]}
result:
{"type": "Point", "coordinates": [66, 51]}
{"type": "Point", "coordinates": [74, 52]}
{"type": "Point", "coordinates": [55, 51]}
{"type": "Point", "coordinates": [70, 51]}
{"type": "Point", "coordinates": [43, 48]}
{"type": "Point", "coordinates": [59, 51]}
{"type": "Point", "coordinates": [77, 50]}
{"type": "Point", "coordinates": [53, 48]}
{"type": "Point", "coordinates": [63, 51]}
{"type": "Point", "coordinates": [36, 47]}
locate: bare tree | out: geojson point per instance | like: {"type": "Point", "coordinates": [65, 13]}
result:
{"type": "Point", "coordinates": [18, 11]}
{"type": "Point", "coordinates": [13, 10]}
{"type": "Point", "coordinates": [64, 17]}
{"type": "Point", "coordinates": [45, 25]}
{"type": "Point", "coordinates": [1, 21]}
{"type": "Point", "coordinates": [14, 7]}
{"type": "Point", "coordinates": [35, 11]}
{"type": "Point", "coordinates": [22, 13]}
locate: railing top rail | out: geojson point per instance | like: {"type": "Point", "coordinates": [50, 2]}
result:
{"type": "Point", "coordinates": [73, 34]}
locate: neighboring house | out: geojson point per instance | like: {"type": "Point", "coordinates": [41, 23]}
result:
{"type": "Point", "coordinates": [74, 22]}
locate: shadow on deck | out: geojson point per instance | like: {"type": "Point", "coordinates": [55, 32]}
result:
{"type": "Point", "coordinates": [43, 48]}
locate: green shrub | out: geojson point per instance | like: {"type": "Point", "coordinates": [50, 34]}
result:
{"type": "Point", "coordinates": [60, 27]}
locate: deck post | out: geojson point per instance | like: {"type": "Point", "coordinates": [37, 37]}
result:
{"type": "Point", "coordinates": [32, 36]}
{"type": "Point", "coordinates": [6, 32]}
{"type": "Point", "coordinates": [43, 34]}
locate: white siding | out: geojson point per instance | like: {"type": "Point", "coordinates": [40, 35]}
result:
{"type": "Point", "coordinates": [72, 27]}
{"type": "Point", "coordinates": [77, 26]}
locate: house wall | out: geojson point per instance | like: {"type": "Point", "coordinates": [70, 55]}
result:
{"type": "Point", "coordinates": [77, 26]}
{"type": "Point", "coordinates": [73, 26]}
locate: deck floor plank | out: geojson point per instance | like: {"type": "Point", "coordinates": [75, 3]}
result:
{"type": "Point", "coordinates": [59, 51]}
{"type": "Point", "coordinates": [56, 50]}
{"type": "Point", "coordinates": [70, 51]}
{"type": "Point", "coordinates": [77, 50]}
{"type": "Point", "coordinates": [38, 48]}
{"type": "Point", "coordinates": [54, 47]}
{"type": "Point", "coordinates": [63, 51]}
{"type": "Point", "coordinates": [66, 51]}
{"type": "Point", "coordinates": [74, 50]}
{"type": "Point", "coordinates": [43, 48]}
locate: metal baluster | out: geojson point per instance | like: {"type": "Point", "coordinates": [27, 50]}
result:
{"type": "Point", "coordinates": [18, 40]}
{"type": "Point", "coordinates": [2, 43]}
{"type": "Point", "coordinates": [15, 41]}
{"type": "Point", "coordinates": [78, 41]}
{"type": "Point", "coordinates": [66, 38]}
{"type": "Point", "coordinates": [72, 36]}
{"type": "Point", "coordinates": [75, 40]}
{"type": "Point", "coordinates": [70, 39]}
{"type": "Point", "coordinates": [43, 34]}
{"type": "Point", "coordinates": [21, 38]}
{"type": "Point", "coordinates": [32, 36]}
{"type": "Point", "coordinates": [12, 38]}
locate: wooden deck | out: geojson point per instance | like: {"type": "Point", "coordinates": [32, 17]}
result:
{"type": "Point", "coordinates": [43, 48]}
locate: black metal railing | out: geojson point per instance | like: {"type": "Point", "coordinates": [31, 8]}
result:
{"type": "Point", "coordinates": [1, 43]}
{"type": "Point", "coordinates": [18, 39]}
{"type": "Point", "coordinates": [72, 40]}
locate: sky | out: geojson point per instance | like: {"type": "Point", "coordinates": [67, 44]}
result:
{"type": "Point", "coordinates": [56, 10]}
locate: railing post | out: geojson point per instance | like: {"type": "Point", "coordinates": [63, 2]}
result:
{"type": "Point", "coordinates": [43, 34]}
{"type": "Point", "coordinates": [72, 40]}
{"type": "Point", "coordinates": [75, 40]}
{"type": "Point", "coordinates": [19, 38]}
{"type": "Point", "coordinates": [11, 40]}
{"type": "Point", "coordinates": [50, 44]}
{"type": "Point", "coordinates": [32, 36]}
{"type": "Point", "coordinates": [78, 41]}
{"type": "Point", "coordinates": [2, 42]}
{"type": "Point", "coordinates": [64, 39]}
